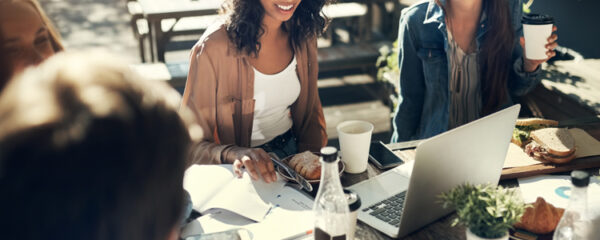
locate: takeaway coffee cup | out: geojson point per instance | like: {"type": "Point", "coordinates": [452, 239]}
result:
{"type": "Point", "coordinates": [353, 205]}
{"type": "Point", "coordinates": [355, 137]}
{"type": "Point", "coordinates": [536, 30]}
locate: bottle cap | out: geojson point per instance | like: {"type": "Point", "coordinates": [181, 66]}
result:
{"type": "Point", "coordinates": [329, 154]}
{"type": "Point", "coordinates": [353, 200]}
{"type": "Point", "coordinates": [580, 178]}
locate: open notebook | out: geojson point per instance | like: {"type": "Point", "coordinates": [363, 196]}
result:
{"type": "Point", "coordinates": [227, 202]}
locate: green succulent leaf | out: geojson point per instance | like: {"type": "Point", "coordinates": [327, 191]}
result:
{"type": "Point", "coordinates": [487, 210]}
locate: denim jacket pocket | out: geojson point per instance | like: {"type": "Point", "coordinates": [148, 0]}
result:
{"type": "Point", "coordinates": [435, 66]}
{"type": "Point", "coordinates": [431, 54]}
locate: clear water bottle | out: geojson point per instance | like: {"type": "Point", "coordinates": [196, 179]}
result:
{"type": "Point", "coordinates": [575, 223]}
{"type": "Point", "coordinates": [331, 207]}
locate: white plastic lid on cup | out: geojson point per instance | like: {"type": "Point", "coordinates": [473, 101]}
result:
{"type": "Point", "coordinates": [536, 30]}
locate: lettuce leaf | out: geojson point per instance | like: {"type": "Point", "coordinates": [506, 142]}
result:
{"type": "Point", "coordinates": [521, 133]}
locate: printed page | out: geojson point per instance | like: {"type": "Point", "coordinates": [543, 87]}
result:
{"type": "Point", "coordinates": [204, 181]}
{"type": "Point", "coordinates": [215, 186]}
{"type": "Point", "coordinates": [245, 197]}
{"type": "Point", "coordinates": [292, 199]}
{"type": "Point", "coordinates": [556, 189]}
{"type": "Point", "coordinates": [282, 224]}
{"type": "Point", "coordinates": [215, 220]}
{"type": "Point", "coordinates": [289, 213]}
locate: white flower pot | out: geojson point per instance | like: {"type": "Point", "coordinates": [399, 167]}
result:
{"type": "Point", "coordinates": [472, 236]}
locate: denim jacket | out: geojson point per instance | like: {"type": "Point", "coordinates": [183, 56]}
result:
{"type": "Point", "coordinates": [424, 98]}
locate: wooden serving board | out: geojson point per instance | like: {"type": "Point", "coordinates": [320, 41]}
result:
{"type": "Point", "coordinates": [518, 164]}
{"type": "Point", "coordinates": [538, 169]}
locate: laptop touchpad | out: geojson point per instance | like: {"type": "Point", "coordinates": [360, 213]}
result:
{"type": "Point", "coordinates": [387, 184]}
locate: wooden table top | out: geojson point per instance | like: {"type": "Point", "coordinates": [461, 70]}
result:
{"type": "Point", "coordinates": [440, 229]}
{"type": "Point", "coordinates": [161, 9]}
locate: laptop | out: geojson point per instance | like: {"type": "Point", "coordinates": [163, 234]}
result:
{"type": "Point", "coordinates": [402, 200]}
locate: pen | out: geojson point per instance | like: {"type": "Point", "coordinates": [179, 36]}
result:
{"type": "Point", "coordinates": [299, 235]}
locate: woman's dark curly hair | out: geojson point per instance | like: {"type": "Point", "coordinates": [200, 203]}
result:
{"type": "Point", "coordinates": [244, 23]}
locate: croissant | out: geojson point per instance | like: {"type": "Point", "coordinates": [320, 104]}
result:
{"type": "Point", "coordinates": [306, 164]}
{"type": "Point", "coordinates": [541, 218]}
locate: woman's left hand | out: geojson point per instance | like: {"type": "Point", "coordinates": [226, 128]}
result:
{"type": "Point", "coordinates": [530, 65]}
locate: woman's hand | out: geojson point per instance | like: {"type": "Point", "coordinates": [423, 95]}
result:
{"type": "Point", "coordinates": [530, 65]}
{"type": "Point", "coordinates": [255, 160]}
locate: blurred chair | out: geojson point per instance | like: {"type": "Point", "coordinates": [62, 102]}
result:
{"type": "Point", "coordinates": [139, 25]}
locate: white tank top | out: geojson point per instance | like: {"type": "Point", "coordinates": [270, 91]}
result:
{"type": "Point", "coordinates": [273, 95]}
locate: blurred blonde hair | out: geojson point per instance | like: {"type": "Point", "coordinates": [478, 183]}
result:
{"type": "Point", "coordinates": [55, 38]}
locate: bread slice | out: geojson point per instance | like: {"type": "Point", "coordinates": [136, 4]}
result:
{"type": "Point", "coordinates": [556, 159]}
{"type": "Point", "coordinates": [521, 133]}
{"type": "Point", "coordinates": [556, 141]}
{"type": "Point", "coordinates": [535, 121]}
{"type": "Point", "coordinates": [540, 153]}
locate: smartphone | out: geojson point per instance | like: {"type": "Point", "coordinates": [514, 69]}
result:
{"type": "Point", "coordinates": [382, 156]}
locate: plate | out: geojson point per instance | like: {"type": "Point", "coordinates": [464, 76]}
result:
{"type": "Point", "coordinates": [285, 175]}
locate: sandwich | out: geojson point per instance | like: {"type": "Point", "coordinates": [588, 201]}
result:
{"type": "Point", "coordinates": [554, 145]}
{"type": "Point", "coordinates": [524, 126]}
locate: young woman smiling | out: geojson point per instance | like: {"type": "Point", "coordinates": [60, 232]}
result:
{"type": "Point", "coordinates": [27, 37]}
{"type": "Point", "coordinates": [460, 60]}
{"type": "Point", "coordinates": [253, 84]}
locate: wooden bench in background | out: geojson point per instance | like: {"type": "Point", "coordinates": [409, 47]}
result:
{"type": "Point", "coordinates": [334, 58]}
{"type": "Point", "coordinates": [349, 12]}
{"type": "Point", "coordinates": [185, 26]}
{"type": "Point", "coordinates": [570, 91]}
{"type": "Point", "coordinates": [343, 57]}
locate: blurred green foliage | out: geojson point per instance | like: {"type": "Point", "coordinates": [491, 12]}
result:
{"type": "Point", "coordinates": [527, 6]}
{"type": "Point", "coordinates": [388, 71]}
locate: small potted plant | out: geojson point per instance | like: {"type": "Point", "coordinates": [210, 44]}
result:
{"type": "Point", "coordinates": [487, 211]}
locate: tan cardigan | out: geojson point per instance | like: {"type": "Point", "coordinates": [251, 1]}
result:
{"type": "Point", "coordinates": [220, 92]}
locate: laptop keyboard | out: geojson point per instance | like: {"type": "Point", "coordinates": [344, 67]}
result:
{"type": "Point", "coordinates": [388, 210]}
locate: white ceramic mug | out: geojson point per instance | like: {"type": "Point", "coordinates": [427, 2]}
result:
{"type": "Point", "coordinates": [355, 138]}
{"type": "Point", "coordinates": [536, 30]}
